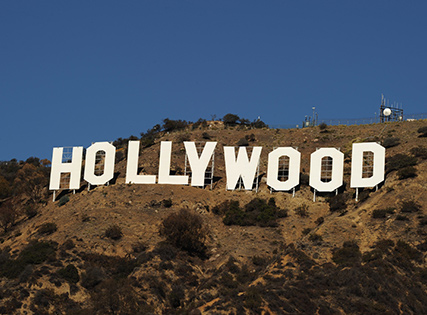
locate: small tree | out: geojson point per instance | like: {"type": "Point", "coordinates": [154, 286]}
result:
{"type": "Point", "coordinates": [230, 119]}
{"type": "Point", "coordinates": [32, 181]}
{"type": "Point", "coordinates": [186, 231]}
{"type": "Point", "coordinates": [8, 215]}
{"type": "Point", "coordinates": [114, 232]}
{"type": "Point", "coordinates": [323, 127]}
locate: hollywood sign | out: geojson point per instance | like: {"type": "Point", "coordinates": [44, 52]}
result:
{"type": "Point", "coordinates": [240, 167]}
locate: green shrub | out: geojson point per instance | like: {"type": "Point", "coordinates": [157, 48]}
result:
{"type": "Point", "coordinates": [391, 142]}
{"type": "Point", "coordinates": [410, 206]}
{"type": "Point", "coordinates": [258, 124]}
{"type": "Point", "coordinates": [422, 131]}
{"type": "Point", "coordinates": [338, 202]}
{"type": "Point", "coordinates": [114, 232]}
{"type": "Point", "coordinates": [323, 126]}
{"type": "Point", "coordinates": [92, 277]}
{"type": "Point", "coordinates": [69, 273]}
{"type": "Point", "coordinates": [306, 231]}
{"type": "Point", "coordinates": [349, 254]}
{"type": "Point", "coordinates": [67, 245]}
{"type": "Point", "coordinates": [167, 203]}
{"type": "Point", "coordinates": [223, 207]}
{"type": "Point", "coordinates": [319, 220]}
{"type": "Point", "coordinates": [256, 212]}
{"type": "Point", "coordinates": [250, 137]}
{"type": "Point", "coordinates": [63, 200]}
{"type": "Point", "coordinates": [170, 125]}
{"type": "Point", "coordinates": [408, 251]}
{"type": "Point", "coordinates": [302, 211]}
{"type": "Point", "coordinates": [242, 142]}
{"type": "Point", "coordinates": [31, 211]}
{"type": "Point", "coordinates": [186, 231]}
{"type": "Point", "coordinates": [230, 119]}
{"type": "Point", "coordinates": [259, 260]}
{"type": "Point", "coordinates": [382, 213]}
{"type": "Point", "coordinates": [33, 254]}
{"type": "Point", "coordinates": [420, 152]}
{"type": "Point", "coordinates": [206, 136]}
{"type": "Point", "coordinates": [37, 252]}
{"type": "Point", "coordinates": [401, 217]}
{"type": "Point", "coordinates": [399, 161]}
{"type": "Point", "coordinates": [315, 238]}
{"type": "Point", "coordinates": [200, 123]}
{"type": "Point", "coordinates": [407, 172]}
{"type": "Point", "coordinates": [47, 228]}
{"type": "Point", "coordinates": [372, 255]}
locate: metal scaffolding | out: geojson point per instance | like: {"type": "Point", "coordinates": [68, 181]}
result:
{"type": "Point", "coordinates": [209, 172]}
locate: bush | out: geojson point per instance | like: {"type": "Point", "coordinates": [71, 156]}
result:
{"type": "Point", "coordinates": [349, 254]}
{"type": "Point", "coordinates": [230, 119]}
{"type": "Point", "coordinates": [420, 152]}
{"type": "Point", "coordinates": [258, 124]}
{"type": "Point", "coordinates": [186, 231]}
{"type": "Point", "coordinates": [410, 206]}
{"type": "Point", "coordinates": [391, 142]}
{"type": "Point", "coordinates": [302, 211]}
{"type": "Point", "coordinates": [63, 200]}
{"type": "Point", "coordinates": [47, 228]}
{"type": "Point", "coordinates": [250, 137]}
{"type": "Point", "coordinates": [315, 238]}
{"type": "Point", "coordinates": [306, 231]}
{"type": "Point", "coordinates": [407, 172]}
{"type": "Point", "coordinates": [399, 161]}
{"type": "Point", "coordinates": [206, 136]}
{"type": "Point", "coordinates": [319, 220]}
{"type": "Point", "coordinates": [5, 188]}
{"type": "Point", "coordinates": [338, 202]}
{"type": "Point", "coordinates": [8, 215]}
{"type": "Point", "coordinates": [31, 211]}
{"type": "Point", "coordinates": [408, 251]}
{"type": "Point", "coordinates": [167, 203]}
{"type": "Point", "coordinates": [69, 273]}
{"type": "Point", "coordinates": [114, 232]}
{"type": "Point", "coordinates": [92, 277]}
{"type": "Point", "coordinates": [200, 123]}
{"type": "Point", "coordinates": [223, 207]}
{"type": "Point", "coordinates": [422, 131]}
{"type": "Point", "coordinates": [382, 213]}
{"type": "Point", "coordinates": [173, 125]}
{"type": "Point", "coordinates": [256, 212]}
{"type": "Point", "coordinates": [242, 142]}
{"type": "Point", "coordinates": [323, 126]}
{"type": "Point", "coordinates": [33, 254]}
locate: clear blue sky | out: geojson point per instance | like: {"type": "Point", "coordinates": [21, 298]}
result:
{"type": "Point", "coordinates": [76, 72]}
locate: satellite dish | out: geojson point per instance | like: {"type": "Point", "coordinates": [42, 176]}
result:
{"type": "Point", "coordinates": [387, 112]}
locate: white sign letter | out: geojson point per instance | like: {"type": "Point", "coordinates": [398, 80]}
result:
{"type": "Point", "coordinates": [132, 167]}
{"type": "Point", "coordinates": [378, 161]}
{"type": "Point", "coordinates": [316, 169]}
{"type": "Point", "coordinates": [241, 167]}
{"type": "Point", "coordinates": [74, 167]}
{"type": "Point", "coordinates": [109, 160]}
{"type": "Point", "coordinates": [199, 165]}
{"type": "Point", "coordinates": [164, 166]}
{"type": "Point", "coordinates": [293, 171]}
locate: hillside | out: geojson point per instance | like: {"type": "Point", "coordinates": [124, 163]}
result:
{"type": "Point", "coordinates": [332, 256]}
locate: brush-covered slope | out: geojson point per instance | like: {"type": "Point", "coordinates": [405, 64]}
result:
{"type": "Point", "coordinates": [128, 249]}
